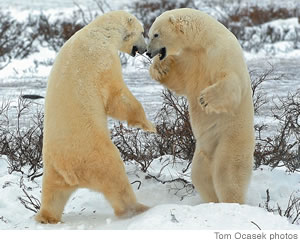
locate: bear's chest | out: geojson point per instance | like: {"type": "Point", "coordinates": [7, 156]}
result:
{"type": "Point", "coordinates": [206, 126]}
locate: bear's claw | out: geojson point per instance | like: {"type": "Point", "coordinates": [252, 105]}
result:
{"type": "Point", "coordinates": [159, 69]}
{"type": "Point", "coordinates": [209, 103]}
{"type": "Point", "coordinates": [203, 103]}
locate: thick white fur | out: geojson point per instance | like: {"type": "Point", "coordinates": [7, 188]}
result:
{"type": "Point", "coordinates": [84, 87]}
{"type": "Point", "coordinates": [205, 63]}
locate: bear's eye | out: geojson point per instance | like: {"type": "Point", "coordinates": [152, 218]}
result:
{"type": "Point", "coordinates": [155, 35]}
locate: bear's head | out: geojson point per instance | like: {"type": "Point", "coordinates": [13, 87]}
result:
{"type": "Point", "coordinates": [133, 36]}
{"type": "Point", "coordinates": [167, 34]}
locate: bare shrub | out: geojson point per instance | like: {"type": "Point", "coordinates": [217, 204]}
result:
{"type": "Point", "coordinates": [291, 212]}
{"type": "Point", "coordinates": [178, 185]}
{"type": "Point", "coordinates": [283, 148]}
{"type": "Point", "coordinates": [134, 145]}
{"type": "Point", "coordinates": [54, 34]}
{"type": "Point", "coordinates": [259, 99]}
{"type": "Point", "coordinates": [147, 10]}
{"type": "Point", "coordinates": [174, 135]}
{"type": "Point", "coordinates": [88, 15]}
{"type": "Point", "coordinates": [15, 39]}
{"type": "Point", "coordinates": [256, 15]}
{"type": "Point", "coordinates": [22, 143]}
{"type": "Point", "coordinates": [257, 81]}
{"type": "Point", "coordinates": [29, 201]}
{"type": "Point", "coordinates": [253, 15]}
{"type": "Point", "coordinates": [246, 23]}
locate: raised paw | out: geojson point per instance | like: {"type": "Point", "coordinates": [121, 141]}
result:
{"type": "Point", "coordinates": [211, 101]}
{"type": "Point", "coordinates": [202, 101]}
{"type": "Point", "coordinates": [149, 127]}
{"type": "Point", "coordinates": [159, 68]}
{"type": "Point", "coordinates": [146, 125]}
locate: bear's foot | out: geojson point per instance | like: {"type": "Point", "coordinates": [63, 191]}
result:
{"type": "Point", "coordinates": [45, 218]}
{"type": "Point", "coordinates": [131, 211]}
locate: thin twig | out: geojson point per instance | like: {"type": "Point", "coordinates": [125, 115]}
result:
{"type": "Point", "coordinates": [139, 182]}
{"type": "Point", "coordinates": [256, 225]}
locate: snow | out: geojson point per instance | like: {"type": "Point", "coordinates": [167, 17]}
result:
{"type": "Point", "coordinates": [229, 216]}
{"type": "Point", "coordinates": [172, 206]}
{"type": "Point", "coordinates": [90, 210]}
{"type": "Point", "coordinates": [286, 46]}
{"type": "Point", "coordinates": [37, 64]}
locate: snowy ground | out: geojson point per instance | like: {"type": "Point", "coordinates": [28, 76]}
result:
{"type": "Point", "coordinates": [170, 209]}
{"type": "Point", "coordinates": [171, 206]}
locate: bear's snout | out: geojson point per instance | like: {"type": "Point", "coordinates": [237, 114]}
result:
{"type": "Point", "coordinates": [142, 50]}
{"type": "Point", "coordinates": [136, 49]}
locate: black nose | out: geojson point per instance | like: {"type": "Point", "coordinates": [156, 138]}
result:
{"type": "Point", "coordinates": [141, 51]}
{"type": "Point", "coordinates": [149, 54]}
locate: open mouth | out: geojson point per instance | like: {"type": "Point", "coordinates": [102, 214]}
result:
{"type": "Point", "coordinates": [162, 53]}
{"type": "Point", "coordinates": [133, 51]}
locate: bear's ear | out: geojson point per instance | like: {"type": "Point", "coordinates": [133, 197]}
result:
{"type": "Point", "coordinates": [172, 19]}
{"type": "Point", "coordinates": [130, 20]}
{"type": "Point", "coordinates": [178, 23]}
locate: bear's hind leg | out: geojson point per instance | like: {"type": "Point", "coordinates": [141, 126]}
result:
{"type": "Point", "coordinates": [55, 194]}
{"type": "Point", "coordinates": [124, 202]}
{"type": "Point", "coordinates": [119, 193]}
{"type": "Point", "coordinates": [109, 177]}
{"type": "Point", "coordinates": [202, 177]}
{"type": "Point", "coordinates": [232, 173]}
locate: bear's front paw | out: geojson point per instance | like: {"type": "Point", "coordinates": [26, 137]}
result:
{"type": "Point", "coordinates": [149, 127]}
{"type": "Point", "coordinates": [145, 124]}
{"type": "Point", "coordinates": [159, 69]}
{"type": "Point", "coordinates": [210, 100]}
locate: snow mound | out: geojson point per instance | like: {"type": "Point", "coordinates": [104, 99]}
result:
{"type": "Point", "coordinates": [209, 217]}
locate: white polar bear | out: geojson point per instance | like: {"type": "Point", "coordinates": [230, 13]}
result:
{"type": "Point", "coordinates": [84, 87]}
{"type": "Point", "coordinates": [198, 57]}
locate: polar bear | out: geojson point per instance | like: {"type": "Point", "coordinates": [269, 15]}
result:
{"type": "Point", "coordinates": [84, 87]}
{"type": "Point", "coordinates": [198, 57]}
